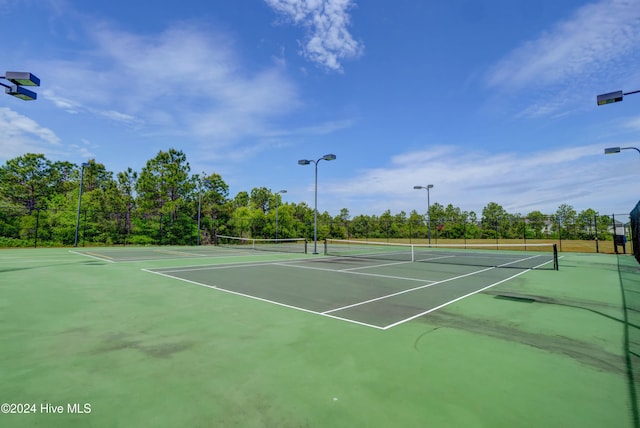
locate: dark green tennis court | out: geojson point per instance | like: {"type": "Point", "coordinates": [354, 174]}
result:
{"type": "Point", "coordinates": [373, 284]}
{"type": "Point", "coordinates": [373, 293]}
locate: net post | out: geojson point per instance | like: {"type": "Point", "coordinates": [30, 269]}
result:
{"type": "Point", "coordinates": [555, 257]}
{"type": "Point", "coordinates": [326, 251]}
{"type": "Point", "coordinates": [413, 253]}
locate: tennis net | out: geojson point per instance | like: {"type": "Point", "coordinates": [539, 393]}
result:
{"type": "Point", "coordinates": [283, 245]}
{"type": "Point", "coordinates": [520, 256]}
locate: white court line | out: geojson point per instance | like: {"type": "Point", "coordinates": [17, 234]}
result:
{"type": "Point", "coordinates": [178, 252]}
{"type": "Point", "coordinates": [5, 260]}
{"type": "Point", "coordinates": [214, 287]}
{"type": "Point", "coordinates": [406, 291]}
{"type": "Point", "coordinates": [93, 256]}
{"type": "Point", "coordinates": [452, 301]}
{"type": "Point", "coordinates": [212, 256]}
{"type": "Point", "coordinates": [374, 266]}
{"type": "Point", "coordinates": [347, 271]}
{"type": "Point", "coordinates": [329, 312]}
{"type": "Point", "coordinates": [521, 260]}
{"type": "Point", "coordinates": [221, 266]}
{"type": "Point", "coordinates": [432, 284]}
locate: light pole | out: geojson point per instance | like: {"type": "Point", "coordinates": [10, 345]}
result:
{"type": "Point", "coordinates": [19, 79]}
{"type": "Point", "coordinates": [611, 150]}
{"type": "Point", "coordinates": [84, 164]}
{"type": "Point", "coordinates": [427, 187]}
{"type": "Point", "coordinates": [328, 157]}
{"type": "Point", "coordinates": [614, 97]}
{"type": "Point", "coordinates": [200, 182]}
{"type": "Point", "coordinates": [199, 206]}
{"type": "Point", "coordinates": [277, 199]}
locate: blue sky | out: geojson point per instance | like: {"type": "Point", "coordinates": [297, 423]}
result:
{"type": "Point", "coordinates": [491, 101]}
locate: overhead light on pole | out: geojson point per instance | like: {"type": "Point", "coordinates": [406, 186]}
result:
{"type": "Point", "coordinates": [19, 79]}
{"type": "Point", "coordinates": [427, 187]}
{"type": "Point", "coordinates": [84, 164]}
{"type": "Point", "coordinates": [613, 97]}
{"type": "Point", "coordinates": [200, 183]}
{"type": "Point", "coordinates": [277, 201]}
{"type": "Point", "coordinates": [328, 157]}
{"type": "Point", "coordinates": [612, 150]}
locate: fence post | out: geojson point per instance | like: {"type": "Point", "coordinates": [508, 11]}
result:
{"type": "Point", "coordinates": [615, 231]}
{"type": "Point", "coordinates": [35, 240]}
{"type": "Point", "coordinates": [560, 233]}
{"type": "Point", "coordinates": [595, 220]}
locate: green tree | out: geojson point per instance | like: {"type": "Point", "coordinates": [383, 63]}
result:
{"type": "Point", "coordinates": [400, 225]}
{"type": "Point", "coordinates": [415, 223]}
{"type": "Point", "coordinates": [260, 198]}
{"type": "Point", "coordinates": [565, 219]}
{"type": "Point", "coordinates": [493, 216]}
{"type": "Point", "coordinates": [126, 185]}
{"type": "Point", "coordinates": [586, 224]}
{"type": "Point", "coordinates": [387, 228]}
{"type": "Point", "coordinates": [29, 180]}
{"type": "Point", "coordinates": [242, 199]}
{"type": "Point", "coordinates": [304, 217]}
{"type": "Point", "coordinates": [214, 193]}
{"type": "Point", "coordinates": [163, 188]}
{"type": "Point", "coordinates": [243, 218]}
{"type": "Point", "coordinates": [437, 216]}
{"type": "Point", "coordinates": [359, 226]}
{"type": "Point", "coordinates": [536, 223]}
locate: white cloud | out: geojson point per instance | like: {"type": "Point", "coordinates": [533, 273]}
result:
{"type": "Point", "coordinates": [328, 40]}
{"type": "Point", "coordinates": [14, 124]}
{"type": "Point", "coordinates": [20, 134]}
{"type": "Point", "coordinates": [595, 36]}
{"type": "Point", "coordinates": [183, 81]}
{"type": "Point", "coordinates": [633, 123]}
{"type": "Point", "coordinates": [564, 68]}
{"type": "Point", "coordinates": [521, 182]}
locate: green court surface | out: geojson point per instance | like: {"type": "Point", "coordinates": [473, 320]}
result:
{"type": "Point", "coordinates": [210, 337]}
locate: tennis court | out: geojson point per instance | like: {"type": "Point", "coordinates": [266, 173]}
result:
{"type": "Point", "coordinates": [373, 293]}
{"type": "Point", "coordinates": [217, 336]}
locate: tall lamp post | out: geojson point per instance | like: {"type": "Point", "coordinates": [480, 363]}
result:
{"type": "Point", "coordinates": [328, 157]}
{"type": "Point", "coordinates": [277, 200]}
{"type": "Point", "coordinates": [84, 164]}
{"type": "Point", "coordinates": [200, 183]}
{"type": "Point", "coordinates": [427, 187]}
{"type": "Point", "coordinates": [18, 80]}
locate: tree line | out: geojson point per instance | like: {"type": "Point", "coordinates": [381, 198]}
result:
{"type": "Point", "coordinates": [165, 203]}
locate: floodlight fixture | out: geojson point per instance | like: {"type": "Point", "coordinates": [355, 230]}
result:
{"type": "Point", "coordinates": [613, 97]}
{"type": "Point", "coordinates": [22, 78]}
{"type": "Point", "coordinates": [304, 162]}
{"type": "Point", "coordinates": [18, 79]}
{"type": "Point", "coordinates": [612, 150]}
{"type": "Point", "coordinates": [329, 157]}
{"type": "Point", "coordinates": [20, 92]}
